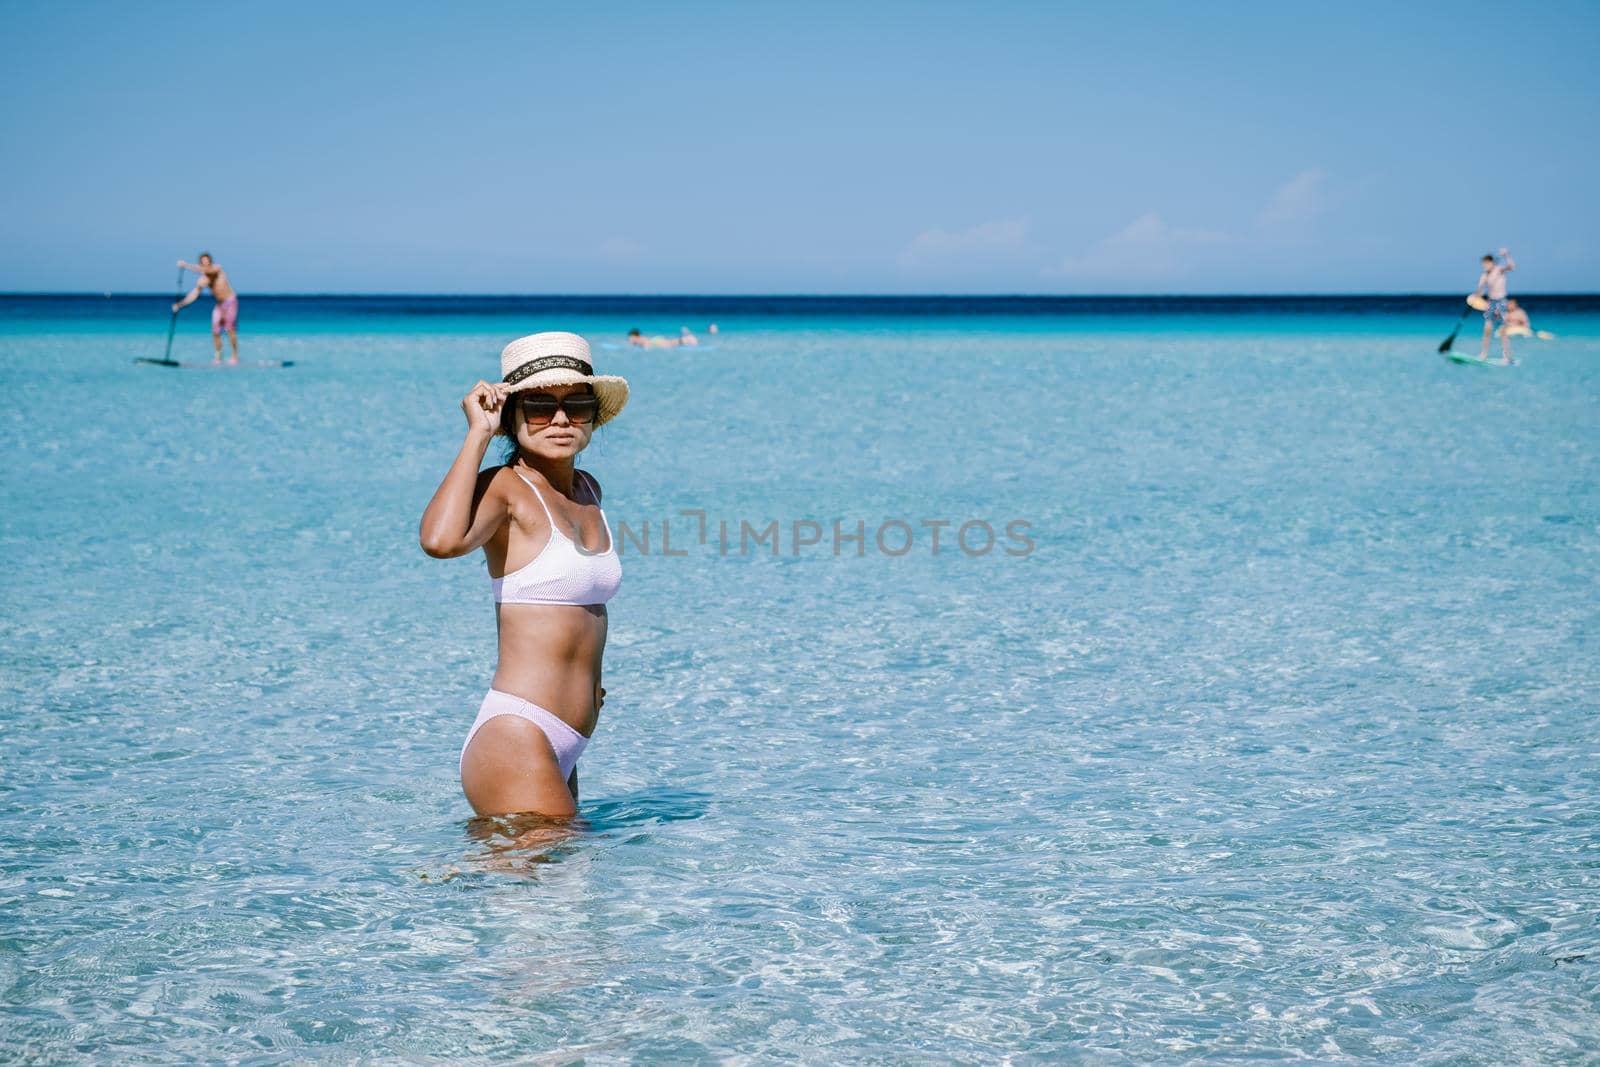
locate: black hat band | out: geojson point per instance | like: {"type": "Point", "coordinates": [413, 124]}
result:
{"type": "Point", "coordinates": [544, 363]}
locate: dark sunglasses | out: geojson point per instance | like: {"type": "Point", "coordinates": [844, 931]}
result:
{"type": "Point", "coordinates": [540, 408]}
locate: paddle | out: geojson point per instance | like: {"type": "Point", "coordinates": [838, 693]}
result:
{"type": "Point", "coordinates": [1444, 346]}
{"type": "Point", "coordinates": [173, 325]}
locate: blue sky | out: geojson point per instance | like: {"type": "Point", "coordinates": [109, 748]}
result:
{"type": "Point", "coordinates": [749, 147]}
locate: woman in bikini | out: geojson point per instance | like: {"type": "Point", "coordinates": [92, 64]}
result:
{"type": "Point", "coordinates": [539, 523]}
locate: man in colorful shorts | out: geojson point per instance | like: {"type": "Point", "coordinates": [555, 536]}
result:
{"type": "Point", "coordinates": [1492, 287]}
{"type": "Point", "coordinates": [225, 315]}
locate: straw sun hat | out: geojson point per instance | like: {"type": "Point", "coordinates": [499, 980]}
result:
{"type": "Point", "coordinates": [541, 360]}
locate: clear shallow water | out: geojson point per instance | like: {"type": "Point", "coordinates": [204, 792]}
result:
{"type": "Point", "coordinates": [1278, 744]}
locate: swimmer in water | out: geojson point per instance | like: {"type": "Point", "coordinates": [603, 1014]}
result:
{"type": "Point", "coordinates": [225, 315]}
{"type": "Point", "coordinates": [539, 522]}
{"type": "Point", "coordinates": [685, 338]}
{"type": "Point", "coordinates": [1518, 325]}
{"type": "Point", "coordinates": [639, 340]}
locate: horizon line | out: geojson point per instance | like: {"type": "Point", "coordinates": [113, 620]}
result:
{"type": "Point", "coordinates": [105, 294]}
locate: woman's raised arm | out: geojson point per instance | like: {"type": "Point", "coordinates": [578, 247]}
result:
{"type": "Point", "coordinates": [464, 513]}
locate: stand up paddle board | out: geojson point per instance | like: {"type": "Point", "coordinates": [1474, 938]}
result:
{"type": "Point", "coordinates": [257, 364]}
{"type": "Point", "coordinates": [1474, 361]}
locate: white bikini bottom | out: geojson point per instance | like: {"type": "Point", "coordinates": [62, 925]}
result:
{"type": "Point", "coordinates": [568, 743]}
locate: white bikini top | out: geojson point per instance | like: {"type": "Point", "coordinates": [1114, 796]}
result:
{"type": "Point", "coordinates": [564, 572]}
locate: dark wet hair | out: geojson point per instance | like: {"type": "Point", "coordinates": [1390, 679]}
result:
{"type": "Point", "coordinates": [1489, 256]}
{"type": "Point", "coordinates": [204, 255]}
{"type": "Point", "coordinates": [634, 332]}
{"type": "Point", "coordinates": [509, 414]}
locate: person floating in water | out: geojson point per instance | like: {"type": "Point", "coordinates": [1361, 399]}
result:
{"type": "Point", "coordinates": [685, 338]}
{"type": "Point", "coordinates": [225, 315]}
{"type": "Point", "coordinates": [1517, 324]}
{"type": "Point", "coordinates": [1492, 287]}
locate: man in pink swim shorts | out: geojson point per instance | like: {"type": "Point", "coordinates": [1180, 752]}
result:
{"type": "Point", "coordinates": [225, 316]}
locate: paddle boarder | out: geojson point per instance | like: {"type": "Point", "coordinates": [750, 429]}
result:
{"type": "Point", "coordinates": [1492, 287]}
{"type": "Point", "coordinates": [225, 315]}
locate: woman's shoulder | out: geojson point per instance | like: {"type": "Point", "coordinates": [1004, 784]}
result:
{"type": "Point", "coordinates": [489, 475]}
{"type": "Point", "coordinates": [497, 479]}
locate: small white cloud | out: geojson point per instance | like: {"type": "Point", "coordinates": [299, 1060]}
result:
{"type": "Point", "coordinates": [1297, 201]}
{"type": "Point", "coordinates": [620, 249]}
{"type": "Point", "coordinates": [934, 247]}
{"type": "Point", "coordinates": [1147, 249]}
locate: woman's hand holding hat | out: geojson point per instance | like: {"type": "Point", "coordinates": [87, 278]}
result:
{"type": "Point", "coordinates": [482, 407]}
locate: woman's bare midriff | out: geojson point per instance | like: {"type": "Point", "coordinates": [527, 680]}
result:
{"type": "Point", "coordinates": [550, 655]}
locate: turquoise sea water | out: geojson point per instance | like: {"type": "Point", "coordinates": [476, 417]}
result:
{"type": "Point", "coordinates": [1278, 743]}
